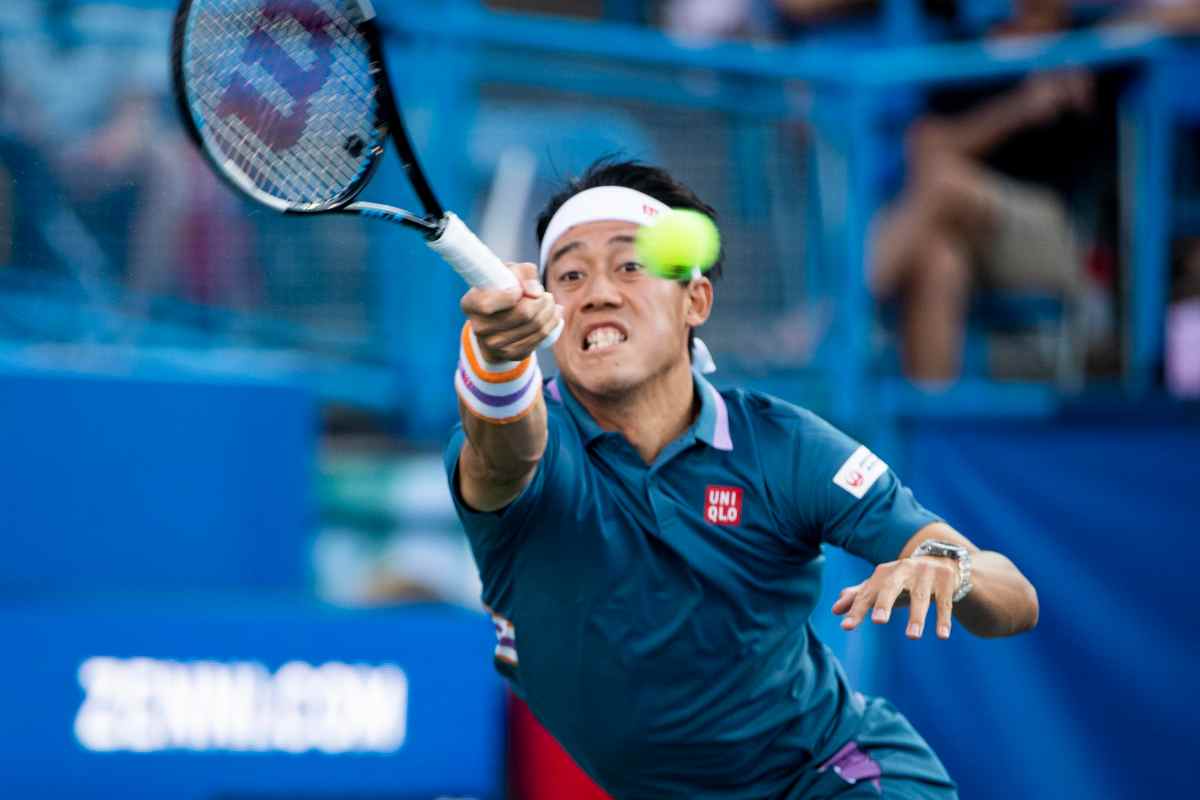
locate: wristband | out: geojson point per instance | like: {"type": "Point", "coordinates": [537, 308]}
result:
{"type": "Point", "coordinates": [499, 393]}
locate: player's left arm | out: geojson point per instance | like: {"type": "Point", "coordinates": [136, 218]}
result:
{"type": "Point", "coordinates": [1002, 601]}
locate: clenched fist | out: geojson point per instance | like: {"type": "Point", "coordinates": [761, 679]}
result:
{"type": "Point", "coordinates": [510, 323]}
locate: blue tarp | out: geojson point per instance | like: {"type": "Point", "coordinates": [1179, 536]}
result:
{"type": "Point", "coordinates": [1101, 513]}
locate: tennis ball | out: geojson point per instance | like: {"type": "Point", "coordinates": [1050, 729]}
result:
{"type": "Point", "coordinates": [680, 240]}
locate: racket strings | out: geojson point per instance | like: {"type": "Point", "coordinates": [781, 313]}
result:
{"type": "Point", "coordinates": [304, 160]}
{"type": "Point", "coordinates": [305, 171]}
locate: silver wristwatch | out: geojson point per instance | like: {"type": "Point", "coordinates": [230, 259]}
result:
{"type": "Point", "coordinates": [932, 547]}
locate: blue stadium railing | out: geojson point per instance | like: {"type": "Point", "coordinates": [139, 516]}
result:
{"type": "Point", "coordinates": [852, 94]}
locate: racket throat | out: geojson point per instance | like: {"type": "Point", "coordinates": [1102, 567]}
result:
{"type": "Point", "coordinates": [431, 229]}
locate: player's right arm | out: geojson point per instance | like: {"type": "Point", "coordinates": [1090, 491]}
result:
{"type": "Point", "coordinates": [501, 454]}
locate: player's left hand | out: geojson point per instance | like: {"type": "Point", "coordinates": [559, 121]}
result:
{"type": "Point", "coordinates": [914, 582]}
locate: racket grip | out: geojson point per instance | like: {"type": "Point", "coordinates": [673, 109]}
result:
{"type": "Point", "coordinates": [478, 265]}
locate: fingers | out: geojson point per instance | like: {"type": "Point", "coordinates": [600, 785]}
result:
{"type": "Point", "coordinates": [533, 313]}
{"type": "Point", "coordinates": [525, 339]}
{"type": "Point", "coordinates": [945, 613]}
{"type": "Point", "coordinates": [488, 303]}
{"type": "Point", "coordinates": [918, 581]}
{"type": "Point", "coordinates": [526, 272]}
{"type": "Point", "coordinates": [919, 595]}
{"type": "Point", "coordinates": [846, 599]}
{"type": "Point", "coordinates": [495, 302]}
{"type": "Point", "coordinates": [886, 599]}
{"type": "Point", "coordinates": [510, 323]}
{"type": "Point", "coordinates": [539, 317]}
{"type": "Point", "coordinates": [863, 599]}
{"type": "Point", "coordinates": [945, 586]}
{"type": "Point", "coordinates": [527, 276]}
{"type": "Point", "coordinates": [934, 579]}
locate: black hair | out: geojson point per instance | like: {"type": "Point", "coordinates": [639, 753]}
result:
{"type": "Point", "coordinates": [645, 178]}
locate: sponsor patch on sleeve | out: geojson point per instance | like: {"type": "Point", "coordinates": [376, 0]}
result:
{"type": "Point", "coordinates": [860, 472]}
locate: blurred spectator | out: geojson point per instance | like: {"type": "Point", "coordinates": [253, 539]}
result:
{"type": "Point", "coordinates": [122, 195]}
{"type": "Point", "coordinates": [770, 19]}
{"type": "Point", "coordinates": [1179, 16]}
{"type": "Point", "coordinates": [985, 202]}
{"type": "Point", "coordinates": [989, 180]}
{"type": "Point", "coordinates": [993, 195]}
{"type": "Point", "coordinates": [30, 211]}
{"type": "Point", "coordinates": [33, 233]}
{"type": "Point", "coordinates": [1032, 17]}
{"type": "Point", "coordinates": [1000, 190]}
{"type": "Point", "coordinates": [797, 17]}
{"type": "Point", "coordinates": [848, 20]}
{"type": "Point", "coordinates": [8, 190]}
{"type": "Point", "coordinates": [186, 235]}
{"type": "Point", "coordinates": [1183, 324]}
{"type": "Point", "coordinates": [704, 19]}
{"type": "Point", "coordinates": [585, 9]}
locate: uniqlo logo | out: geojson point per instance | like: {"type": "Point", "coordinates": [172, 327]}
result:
{"type": "Point", "coordinates": [723, 505]}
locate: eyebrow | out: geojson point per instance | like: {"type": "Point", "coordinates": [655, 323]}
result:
{"type": "Point", "coordinates": [620, 238]}
{"type": "Point", "coordinates": [562, 251]}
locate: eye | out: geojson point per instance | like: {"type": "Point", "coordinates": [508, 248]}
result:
{"type": "Point", "coordinates": [631, 266]}
{"type": "Point", "coordinates": [570, 276]}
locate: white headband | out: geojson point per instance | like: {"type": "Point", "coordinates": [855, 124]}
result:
{"type": "Point", "coordinates": [604, 204]}
{"type": "Point", "coordinates": [601, 204]}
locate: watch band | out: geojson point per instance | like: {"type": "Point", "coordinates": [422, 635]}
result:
{"type": "Point", "coordinates": [932, 547]}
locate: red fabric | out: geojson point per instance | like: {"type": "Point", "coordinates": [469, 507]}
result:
{"type": "Point", "coordinates": [539, 769]}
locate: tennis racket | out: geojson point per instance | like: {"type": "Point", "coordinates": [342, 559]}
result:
{"type": "Point", "coordinates": [290, 102]}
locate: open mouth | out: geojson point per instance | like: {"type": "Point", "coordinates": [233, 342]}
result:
{"type": "Point", "coordinates": [603, 338]}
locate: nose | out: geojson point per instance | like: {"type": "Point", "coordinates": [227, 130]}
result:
{"type": "Point", "coordinates": [600, 292]}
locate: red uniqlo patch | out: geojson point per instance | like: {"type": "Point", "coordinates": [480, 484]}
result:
{"type": "Point", "coordinates": [723, 505]}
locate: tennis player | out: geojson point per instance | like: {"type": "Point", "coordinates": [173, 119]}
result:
{"type": "Point", "coordinates": [650, 547]}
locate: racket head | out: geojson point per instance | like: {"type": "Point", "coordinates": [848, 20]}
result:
{"type": "Point", "coordinates": [285, 98]}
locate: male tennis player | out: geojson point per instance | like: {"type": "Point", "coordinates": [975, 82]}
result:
{"type": "Point", "coordinates": [650, 548]}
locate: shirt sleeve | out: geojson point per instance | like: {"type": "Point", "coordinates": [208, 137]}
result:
{"type": "Point", "coordinates": [850, 498]}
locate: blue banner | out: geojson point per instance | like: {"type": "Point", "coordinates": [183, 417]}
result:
{"type": "Point", "coordinates": [235, 699]}
{"type": "Point", "coordinates": [124, 485]}
{"type": "Point", "coordinates": [1101, 514]}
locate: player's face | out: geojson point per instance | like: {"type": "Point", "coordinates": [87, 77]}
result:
{"type": "Point", "coordinates": [623, 326]}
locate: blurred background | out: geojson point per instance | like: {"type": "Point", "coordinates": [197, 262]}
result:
{"type": "Point", "coordinates": [966, 231]}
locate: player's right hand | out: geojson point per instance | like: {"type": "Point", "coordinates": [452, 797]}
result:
{"type": "Point", "coordinates": [510, 323]}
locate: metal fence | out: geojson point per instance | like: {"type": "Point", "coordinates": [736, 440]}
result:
{"type": "Point", "coordinates": [121, 251]}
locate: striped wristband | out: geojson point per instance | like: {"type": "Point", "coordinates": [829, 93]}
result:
{"type": "Point", "coordinates": [499, 393]}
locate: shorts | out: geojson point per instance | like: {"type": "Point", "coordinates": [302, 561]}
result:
{"type": "Point", "coordinates": [1033, 246]}
{"type": "Point", "coordinates": [887, 760]}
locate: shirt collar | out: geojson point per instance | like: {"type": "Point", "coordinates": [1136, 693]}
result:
{"type": "Point", "coordinates": [711, 425]}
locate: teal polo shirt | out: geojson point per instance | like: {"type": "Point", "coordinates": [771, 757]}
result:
{"type": "Point", "coordinates": [655, 617]}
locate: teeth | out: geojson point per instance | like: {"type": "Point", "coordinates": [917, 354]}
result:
{"type": "Point", "coordinates": [604, 337]}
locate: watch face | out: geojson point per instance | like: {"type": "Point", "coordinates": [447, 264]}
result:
{"type": "Point", "coordinates": [942, 549]}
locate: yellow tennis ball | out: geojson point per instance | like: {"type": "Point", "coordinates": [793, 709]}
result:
{"type": "Point", "coordinates": [682, 239]}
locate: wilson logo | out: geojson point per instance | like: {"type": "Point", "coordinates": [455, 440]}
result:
{"type": "Point", "coordinates": [723, 505]}
{"type": "Point", "coordinates": [280, 131]}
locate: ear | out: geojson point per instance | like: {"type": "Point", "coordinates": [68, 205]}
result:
{"type": "Point", "coordinates": [700, 301]}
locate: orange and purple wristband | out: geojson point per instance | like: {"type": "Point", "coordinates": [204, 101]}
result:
{"type": "Point", "coordinates": [499, 393]}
